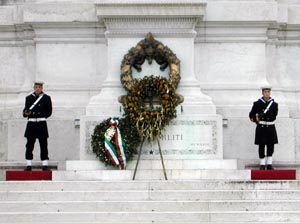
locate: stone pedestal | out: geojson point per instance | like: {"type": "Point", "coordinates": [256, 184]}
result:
{"type": "Point", "coordinates": [197, 130]}
{"type": "Point", "coordinates": [228, 49]}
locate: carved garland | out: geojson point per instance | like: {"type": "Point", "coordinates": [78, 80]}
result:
{"type": "Point", "coordinates": [149, 49]}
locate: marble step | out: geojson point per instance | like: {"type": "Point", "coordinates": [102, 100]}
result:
{"type": "Point", "coordinates": [151, 164]}
{"type": "Point", "coordinates": [200, 216]}
{"type": "Point", "coordinates": [148, 206]}
{"type": "Point", "coordinates": [172, 174]}
{"type": "Point", "coordinates": [145, 195]}
{"type": "Point", "coordinates": [22, 164]}
{"type": "Point", "coordinates": [148, 185]}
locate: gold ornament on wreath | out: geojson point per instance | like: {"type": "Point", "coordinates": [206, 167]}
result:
{"type": "Point", "coordinates": [151, 101]}
{"type": "Point", "coordinates": [149, 119]}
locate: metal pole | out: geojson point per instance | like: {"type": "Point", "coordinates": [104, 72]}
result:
{"type": "Point", "coordinates": [138, 159]}
{"type": "Point", "coordinates": [162, 160]}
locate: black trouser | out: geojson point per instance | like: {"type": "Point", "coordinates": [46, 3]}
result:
{"type": "Point", "coordinates": [43, 145]}
{"type": "Point", "coordinates": [261, 150]}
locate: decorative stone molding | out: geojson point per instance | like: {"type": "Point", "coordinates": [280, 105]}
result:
{"type": "Point", "coordinates": [161, 17]}
{"type": "Point", "coordinates": [16, 35]}
{"type": "Point", "coordinates": [149, 8]}
{"type": "Point", "coordinates": [232, 32]}
{"type": "Point", "coordinates": [75, 32]}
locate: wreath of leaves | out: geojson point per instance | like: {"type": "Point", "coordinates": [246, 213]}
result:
{"type": "Point", "coordinates": [142, 120]}
{"type": "Point", "coordinates": [130, 136]}
{"type": "Point", "coordinates": [149, 49]}
{"type": "Point", "coordinates": [150, 120]}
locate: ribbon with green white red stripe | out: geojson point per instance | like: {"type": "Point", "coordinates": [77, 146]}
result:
{"type": "Point", "coordinates": [116, 155]}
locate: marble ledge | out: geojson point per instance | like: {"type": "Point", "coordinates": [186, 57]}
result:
{"type": "Point", "coordinates": [150, 9]}
{"type": "Point", "coordinates": [158, 33]}
{"type": "Point", "coordinates": [231, 40]}
{"type": "Point", "coordinates": [162, 2]}
{"type": "Point", "coordinates": [70, 40]}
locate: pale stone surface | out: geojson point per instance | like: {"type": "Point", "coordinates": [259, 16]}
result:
{"type": "Point", "coordinates": [58, 149]}
{"type": "Point", "coordinates": [12, 68]}
{"type": "Point", "coordinates": [59, 12]}
{"type": "Point", "coordinates": [225, 185]}
{"type": "Point", "coordinates": [6, 15]}
{"type": "Point", "coordinates": [243, 65]}
{"type": "Point", "coordinates": [3, 140]}
{"type": "Point", "coordinates": [228, 50]}
{"type": "Point", "coordinates": [151, 164]}
{"type": "Point", "coordinates": [188, 137]}
{"type": "Point", "coordinates": [175, 174]}
{"type": "Point", "coordinates": [241, 11]}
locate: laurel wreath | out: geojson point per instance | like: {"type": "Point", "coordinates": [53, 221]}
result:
{"type": "Point", "coordinates": [130, 136]}
{"type": "Point", "coordinates": [150, 120]}
{"type": "Point", "coordinates": [150, 103]}
{"type": "Point", "coordinates": [149, 49]}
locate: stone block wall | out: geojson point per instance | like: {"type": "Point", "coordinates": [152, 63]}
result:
{"type": "Point", "coordinates": [238, 47]}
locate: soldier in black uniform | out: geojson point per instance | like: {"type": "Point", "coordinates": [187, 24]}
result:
{"type": "Point", "coordinates": [263, 113]}
{"type": "Point", "coordinates": [38, 107]}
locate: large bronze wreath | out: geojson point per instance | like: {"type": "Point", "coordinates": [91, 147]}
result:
{"type": "Point", "coordinates": [149, 49]}
{"type": "Point", "coordinates": [150, 120]}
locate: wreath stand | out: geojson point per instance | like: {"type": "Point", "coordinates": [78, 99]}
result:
{"type": "Point", "coordinates": [139, 156]}
{"type": "Point", "coordinates": [140, 150]}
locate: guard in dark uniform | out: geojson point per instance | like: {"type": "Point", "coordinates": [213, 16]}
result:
{"type": "Point", "coordinates": [263, 113]}
{"type": "Point", "coordinates": [38, 107]}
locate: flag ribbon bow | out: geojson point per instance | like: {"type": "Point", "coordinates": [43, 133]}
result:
{"type": "Point", "coordinates": [116, 155]}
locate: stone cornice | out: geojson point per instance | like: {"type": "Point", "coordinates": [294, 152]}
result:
{"type": "Point", "coordinates": [265, 32]}
{"type": "Point", "coordinates": [159, 26]}
{"type": "Point", "coordinates": [153, 2]}
{"type": "Point", "coordinates": [75, 32]}
{"type": "Point", "coordinates": [47, 32]}
{"type": "Point", "coordinates": [214, 32]}
{"type": "Point", "coordinates": [135, 18]}
{"type": "Point", "coordinates": [148, 9]}
{"type": "Point", "coordinates": [16, 35]}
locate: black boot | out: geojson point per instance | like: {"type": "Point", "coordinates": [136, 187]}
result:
{"type": "Point", "coordinates": [262, 167]}
{"type": "Point", "coordinates": [45, 168]}
{"type": "Point", "coordinates": [28, 168]}
{"type": "Point", "coordinates": [270, 167]}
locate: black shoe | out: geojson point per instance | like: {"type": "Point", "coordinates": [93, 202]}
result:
{"type": "Point", "coordinates": [45, 168]}
{"type": "Point", "coordinates": [28, 168]}
{"type": "Point", "coordinates": [262, 167]}
{"type": "Point", "coordinates": [270, 167]}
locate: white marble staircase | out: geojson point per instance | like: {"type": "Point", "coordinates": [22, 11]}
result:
{"type": "Point", "coordinates": [152, 170]}
{"type": "Point", "coordinates": [150, 201]}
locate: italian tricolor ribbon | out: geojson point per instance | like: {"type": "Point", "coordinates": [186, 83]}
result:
{"type": "Point", "coordinates": [116, 155]}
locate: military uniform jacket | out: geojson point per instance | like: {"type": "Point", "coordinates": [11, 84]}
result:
{"type": "Point", "coordinates": [43, 109]}
{"type": "Point", "coordinates": [264, 134]}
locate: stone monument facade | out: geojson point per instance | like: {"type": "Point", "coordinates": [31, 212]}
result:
{"type": "Point", "coordinates": [228, 50]}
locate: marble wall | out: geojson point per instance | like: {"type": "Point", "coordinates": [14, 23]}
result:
{"type": "Point", "coordinates": [228, 50]}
